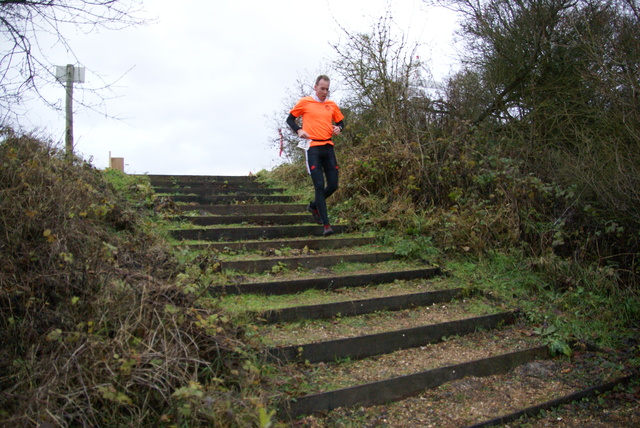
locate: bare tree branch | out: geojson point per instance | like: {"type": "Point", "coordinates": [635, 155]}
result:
{"type": "Point", "coordinates": [24, 67]}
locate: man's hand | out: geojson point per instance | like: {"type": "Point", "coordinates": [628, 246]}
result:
{"type": "Point", "coordinates": [302, 133]}
{"type": "Point", "coordinates": [336, 130]}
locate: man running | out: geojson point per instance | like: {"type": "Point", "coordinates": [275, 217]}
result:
{"type": "Point", "coordinates": [321, 119]}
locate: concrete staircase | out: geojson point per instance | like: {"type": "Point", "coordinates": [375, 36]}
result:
{"type": "Point", "coordinates": [359, 335]}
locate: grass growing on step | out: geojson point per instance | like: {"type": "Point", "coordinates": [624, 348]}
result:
{"type": "Point", "coordinates": [343, 269]}
{"type": "Point", "coordinates": [274, 253]}
{"type": "Point", "coordinates": [292, 177]}
{"type": "Point", "coordinates": [349, 268]}
{"type": "Point", "coordinates": [242, 247]}
{"type": "Point", "coordinates": [251, 302]}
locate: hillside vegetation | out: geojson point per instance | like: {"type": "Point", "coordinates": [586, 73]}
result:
{"type": "Point", "coordinates": [99, 322]}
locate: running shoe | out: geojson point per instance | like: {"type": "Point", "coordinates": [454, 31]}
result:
{"type": "Point", "coordinates": [315, 213]}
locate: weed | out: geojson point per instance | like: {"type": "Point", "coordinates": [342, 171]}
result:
{"type": "Point", "coordinates": [279, 268]}
{"type": "Point", "coordinates": [557, 344]}
{"type": "Point", "coordinates": [417, 248]}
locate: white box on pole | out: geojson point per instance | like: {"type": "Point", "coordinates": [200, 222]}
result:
{"type": "Point", "coordinates": [78, 74]}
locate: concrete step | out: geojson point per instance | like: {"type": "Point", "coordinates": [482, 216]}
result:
{"type": "Point", "coordinates": [258, 219]}
{"type": "Point", "coordinates": [324, 283]}
{"type": "Point", "coordinates": [251, 233]}
{"type": "Point", "coordinates": [305, 262]}
{"type": "Point", "coordinates": [356, 307]}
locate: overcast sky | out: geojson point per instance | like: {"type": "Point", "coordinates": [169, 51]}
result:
{"type": "Point", "coordinates": [195, 92]}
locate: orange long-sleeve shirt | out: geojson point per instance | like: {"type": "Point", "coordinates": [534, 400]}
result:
{"type": "Point", "coordinates": [318, 119]}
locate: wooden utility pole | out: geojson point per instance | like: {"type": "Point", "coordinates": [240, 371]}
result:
{"type": "Point", "coordinates": [69, 75]}
{"type": "Point", "coordinates": [68, 139]}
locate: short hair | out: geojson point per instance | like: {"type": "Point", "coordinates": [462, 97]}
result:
{"type": "Point", "coordinates": [322, 77]}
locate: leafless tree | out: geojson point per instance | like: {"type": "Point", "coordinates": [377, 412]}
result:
{"type": "Point", "coordinates": [381, 70]}
{"type": "Point", "coordinates": [24, 66]}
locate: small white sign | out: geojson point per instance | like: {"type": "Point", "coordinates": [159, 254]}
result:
{"type": "Point", "coordinates": [61, 74]}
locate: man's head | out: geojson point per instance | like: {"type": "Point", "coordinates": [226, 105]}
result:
{"type": "Point", "coordinates": [322, 87]}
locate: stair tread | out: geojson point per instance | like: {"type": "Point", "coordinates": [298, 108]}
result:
{"type": "Point", "coordinates": [309, 256]}
{"type": "Point", "coordinates": [314, 331]}
{"type": "Point", "coordinates": [256, 304]}
{"type": "Point", "coordinates": [356, 307]}
{"type": "Point", "coordinates": [230, 209]}
{"type": "Point", "coordinates": [316, 243]}
{"type": "Point", "coordinates": [290, 286]}
{"type": "Point", "coordinates": [252, 232]}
